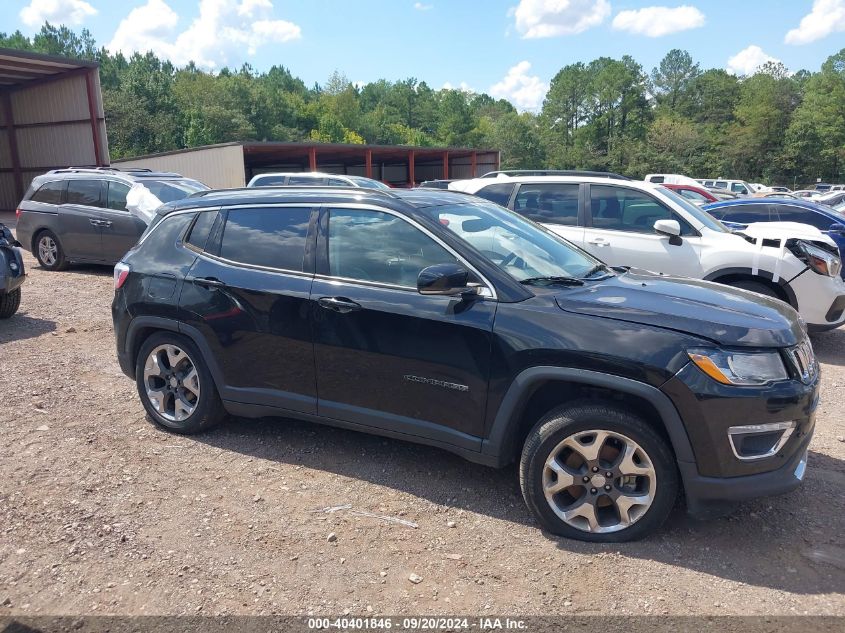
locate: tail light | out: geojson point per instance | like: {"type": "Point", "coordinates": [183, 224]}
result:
{"type": "Point", "coordinates": [121, 272]}
{"type": "Point", "coordinates": [17, 214]}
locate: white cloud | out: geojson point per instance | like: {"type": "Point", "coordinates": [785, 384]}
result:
{"type": "Point", "coordinates": [550, 18]}
{"type": "Point", "coordinates": [220, 35]}
{"type": "Point", "coordinates": [658, 21]}
{"type": "Point", "coordinates": [525, 91]}
{"type": "Point", "coordinates": [463, 87]}
{"type": "Point", "coordinates": [748, 60]}
{"type": "Point", "coordinates": [827, 16]}
{"type": "Point", "coordinates": [68, 12]}
{"type": "Point", "coordinates": [419, 6]}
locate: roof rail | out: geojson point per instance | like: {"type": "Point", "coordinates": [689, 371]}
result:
{"type": "Point", "coordinates": [258, 190]}
{"type": "Point", "coordinates": [555, 172]}
{"type": "Point", "coordinates": [83, 168]}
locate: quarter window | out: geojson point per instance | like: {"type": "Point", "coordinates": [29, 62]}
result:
{"type": "Point", "coordinates": [551, 203]}
{"type": "Point", "coordinates": [380, 247]}
{"type": "Point", "coordinates": [201, 229]}
{"type": "Point", "coordinates": [117, 196]}
{"type": "Point", "coordinates": [85, 192]}
{"type": "Point", "coordinates": [50, 192]}
{"type": "Point", "coordinates": [500, 193]}
{"type": "Point", "coordinates": [621, 209]}
{"type": "Point", "coordinates": [273, 237]}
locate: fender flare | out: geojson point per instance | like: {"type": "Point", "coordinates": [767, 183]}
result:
{"type": "Point", "coordinates": [782, 283]}
{"type": "Point", "coordinates": [500, 440]}
{"type": "Point", "coordinates": [171, 325]}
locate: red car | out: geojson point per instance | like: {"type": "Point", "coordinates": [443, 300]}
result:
{"type": "Point", "coordinates": [696, 195]}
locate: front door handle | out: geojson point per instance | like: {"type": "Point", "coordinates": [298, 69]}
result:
{"type": "Point", "coordinates": [598, 241]}
{"type": "Point", "coordinates": [338, 304]}
{"type": "Point", "coordinates": [95, 222]}
{"type": "Point", "coordinates": [211, 282]}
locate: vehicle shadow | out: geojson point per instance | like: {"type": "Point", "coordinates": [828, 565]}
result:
{"type": "Point", "coordinates": [21, 326]}
{"type": "Point", "coordinates": [764, 542]}
{"type": "Point", "coordinates": [94, 270]}
{"type": "Point", "coordinates": [830, 346]}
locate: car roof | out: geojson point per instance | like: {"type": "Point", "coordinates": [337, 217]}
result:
{"type": "Point", "coordinates": [597, 180]}
{"type": "Point", "coordinates": [133, 175]}
{"type": "Point", "coordinates": [394, 198]}
{"type": "Point", "coordinates": [309, 174]}
{"type": "Point", "coordinates": [795, 202]}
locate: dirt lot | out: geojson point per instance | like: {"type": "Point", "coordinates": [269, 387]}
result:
{"type": "Point", "coordinates": [100, 512]}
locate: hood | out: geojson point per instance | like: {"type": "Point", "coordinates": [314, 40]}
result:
{"type": "Point", "coordinates": [787, 230]}
{"type": "Point", "coordinates": [727, 316]}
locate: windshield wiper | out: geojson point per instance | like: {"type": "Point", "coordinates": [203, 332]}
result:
{"type": "Point", "coordinates": [566, 281]}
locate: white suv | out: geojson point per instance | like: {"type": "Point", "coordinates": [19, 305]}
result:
{"type": "Point", "coordinates": [633, 223]}
{"type": "Point", "coordinates": [313, 179]}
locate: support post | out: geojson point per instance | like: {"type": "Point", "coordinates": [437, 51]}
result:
{"type": "Point", "coordinates": [473, 164]}
{"type": "Point", "coordinates": [11, 133]}
{"type": "Point", "coordinates": [368, 161]}
{"type": "Point", "coordinates": [411, 168]}
{"type": "Point", "coordinates": [312, 159]}
{"type": "Point", "coordinates": [445, 165]}
{"type": "Point", "coordinates": [92, 112]}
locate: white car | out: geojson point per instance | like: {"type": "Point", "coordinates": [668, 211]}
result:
{"type": "Point", "coordinates": [634, 223]}
{"type": "Point", "coordinates": [671, 179]}
{"type": "Point", "coordinates": [313, 179]}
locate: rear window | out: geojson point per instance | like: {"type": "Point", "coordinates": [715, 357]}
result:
{"type": "Point", "coordinates": [85, 192]}
{"type": "Point", "coordinates": [551, 203]}
{"type": "Point", "coordinates": [50, 192]}
{"type": "Point", "coordinates": [272, 237]}
{"type": "Point", "coordinates": [172, 190]}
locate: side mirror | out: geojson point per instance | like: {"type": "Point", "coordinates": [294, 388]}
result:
{"type": "Point", "coordinates": [667, 227]}
{"type": "Point", "coordinates": [837, 228]}
{"type": "Point", "coordinates": [444, 279]}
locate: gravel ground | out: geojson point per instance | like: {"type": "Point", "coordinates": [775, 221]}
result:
{"type": "Point", "coordinates": [101, 512]}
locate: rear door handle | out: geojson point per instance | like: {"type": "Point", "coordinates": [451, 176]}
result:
{"type": "Point", "coordinates": [598, 241]}
{"type": "Point", "coordinates": [338, 304]}
{"type": "Point", "coordinates": [95, 222]}
{"type": "Point", "coordinates": [211, 282]}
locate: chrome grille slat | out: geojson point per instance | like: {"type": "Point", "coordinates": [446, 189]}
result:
{"type": "Point", "coordinates": [803, 359]}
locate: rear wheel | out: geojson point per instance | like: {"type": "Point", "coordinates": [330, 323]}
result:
{"type": "Point", "coordinates": [49, 252]}
{"type": "Point", "coordinates": [175, 386]}
{"type": "Point", "coordinates": [593, 472]}
{"type": "Point", "coordinates": [9, 303]}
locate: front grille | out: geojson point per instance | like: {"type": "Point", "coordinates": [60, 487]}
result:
{"type": "Point", "coordinates": [803, 361]}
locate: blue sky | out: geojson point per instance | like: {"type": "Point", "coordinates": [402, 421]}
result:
{"type": "Point", "coordinates": [511, 48]}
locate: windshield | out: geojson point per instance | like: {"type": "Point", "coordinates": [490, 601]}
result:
{"type": "Point", "coordinates": [367, 183]}
{"type": "Point", "coordinates": [171, 190]}
{"type": "Point", "coordinates": [702, 216]}
{"type": "Point", "coordinates": [521, 248]}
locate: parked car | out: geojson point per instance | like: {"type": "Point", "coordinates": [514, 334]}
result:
{"type": "Point", "coordinates": [779, 189]}
{"type": "Point", "coordinates": [830, 199]}
{"type": "Point", "coordinates": [823, 187]}
{"type": "Point", "coordinates": [671, 179]}
{"type": "Point", "coordinates": [443, 319]}
{"type": "Point", "coordinates": [635, 223]}
{"type": "Point", "coordinates": [80, 214]}
{"type": "Point", "coordinates": [313, 179]}
{"type": "Point", "coordinates": [695, 194]}
{"type": "Point", "coordinates": [738, 187]}
{"type": "Point", "coordinates": [738, 214]}
{"type": "Point", "coordinates": [779, 195]}
{"type": "Point", "coordinates": [12, 273]}
{"type": "Point", "coordinates": [435, 184]}
{"type": "Point", "coordinates": [805, 193]}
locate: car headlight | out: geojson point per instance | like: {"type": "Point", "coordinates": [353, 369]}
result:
{"type": "Point", "coordinates": [820, 260]}
{"type": "Point", "coordinates": [739, 368]}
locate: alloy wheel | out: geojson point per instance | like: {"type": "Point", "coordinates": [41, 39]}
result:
{"type": "Point", "coordinates": [599, 481]}
{"type": "Point", "coordinates": [171, 382]}
{"type": "Point", "coordinates": [48, 251]}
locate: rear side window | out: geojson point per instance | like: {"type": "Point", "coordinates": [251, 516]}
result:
{"type": "Point", "coordinates": [788, 213]}
{"type": "Point", "coordinates": [201, 229]}
{"type": "Point", "coordinates": [50, 192]}
{"type": "Point", "coordinates": [551, 203]}
{"type": "Point", "coordinates": [500, 193]}
{"type": "Point", "coordinates": [85, 192]}
{"type": "Point", "coordinates": [273, 237]}
{"type": "Point", "coordinates": [309, 181]}
{"type": "Point", "coordinates": [746, 213]}
{"type": "Point", "coordinates": [269, 181]}
{"type": "Point", "coordinates": [337, 182]}
{"type": "Point", "coordinates": [117, 196]}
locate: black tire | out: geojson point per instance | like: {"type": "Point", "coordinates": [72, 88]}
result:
{"type": "Point", "coordinates": [60, 262]}
{"type": "Point", "coordinates": [9, 303]}
{"type": "Point", "coordinates": [578, 418]}
{"type": "Point", "coordinates": [208, 410]}
{"type": "Point", "coordinates": [755, 286]}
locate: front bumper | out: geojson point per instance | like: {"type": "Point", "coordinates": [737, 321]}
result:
{"type": "Point", "coordinates": [821, 300]}
{"type": "Point", "coordinates": [11, 279]}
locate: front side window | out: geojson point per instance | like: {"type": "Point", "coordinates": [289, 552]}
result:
{"type": "Point", "coordinates": [269, 181]}
{"type": "Point", "coordinates": [272, 237]}
{"type": "Point", "coordinates": [522, 249]}
{"type": "Point", "coordinates": [117, 196]}
{"type": "Point", "coordinates": [85, 192]}
{"type": "Point", "coordinates": [738, 187]}
{"type": "Point", "coordinates": [690, 194]}
{"type": "Point", "coordinates": [789, 213]}
{"type": "Point", "coordinates": [500, 193]}
{"type": "Point", "coordinates": [375, 246]}
{"type": "Point", "coordinates": [552, 203]}
{"type": "Point", "coordinates": [50, 192]}
{"type": "Point", "coordinates": [622, 209]}
{"type": "Point", "coordinates": [721, 184]}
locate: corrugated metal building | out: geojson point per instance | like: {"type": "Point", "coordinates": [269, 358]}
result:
{"type": "Point", "coordinates": [51, 111]}
{"type": "Point", "coordinates": [234, 164]}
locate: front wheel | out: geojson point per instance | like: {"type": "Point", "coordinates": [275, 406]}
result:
{"type": "Point", "coordinates": [9, 303]}
{"type": "Point", "coordinates": [755, 286]}
{"type": "Point", "coordinates": [593, 472]}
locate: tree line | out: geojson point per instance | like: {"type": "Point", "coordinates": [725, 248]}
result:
{"type": "Point", "coordinates": [609, 114]}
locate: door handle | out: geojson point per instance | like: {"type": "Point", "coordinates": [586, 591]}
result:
{"type": "Point", "coordinates": [598, 241]}
{"type": "Point", "coordinates": [338, 304]}
{"type": "Point", "coordinates": [211, 282]}
{"type": "Point", "coordinates": [95, 222]}
{"type": "Point", "coordinates": [105, 223]}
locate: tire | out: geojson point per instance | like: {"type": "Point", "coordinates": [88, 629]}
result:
{"type": "Point", "coordinates": [49, 251]}
{"type": "Point", "coordinates": [176, 398]}
{"type": "Point", "coordinates": [9, 303]}
{"type": "Point", "coordinates": [652, 474]}
{"type": "Point", "coordinates": [755, 286]}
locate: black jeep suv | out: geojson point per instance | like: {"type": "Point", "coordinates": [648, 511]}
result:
{"type": "Point", "coordinates": [441, 318]}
